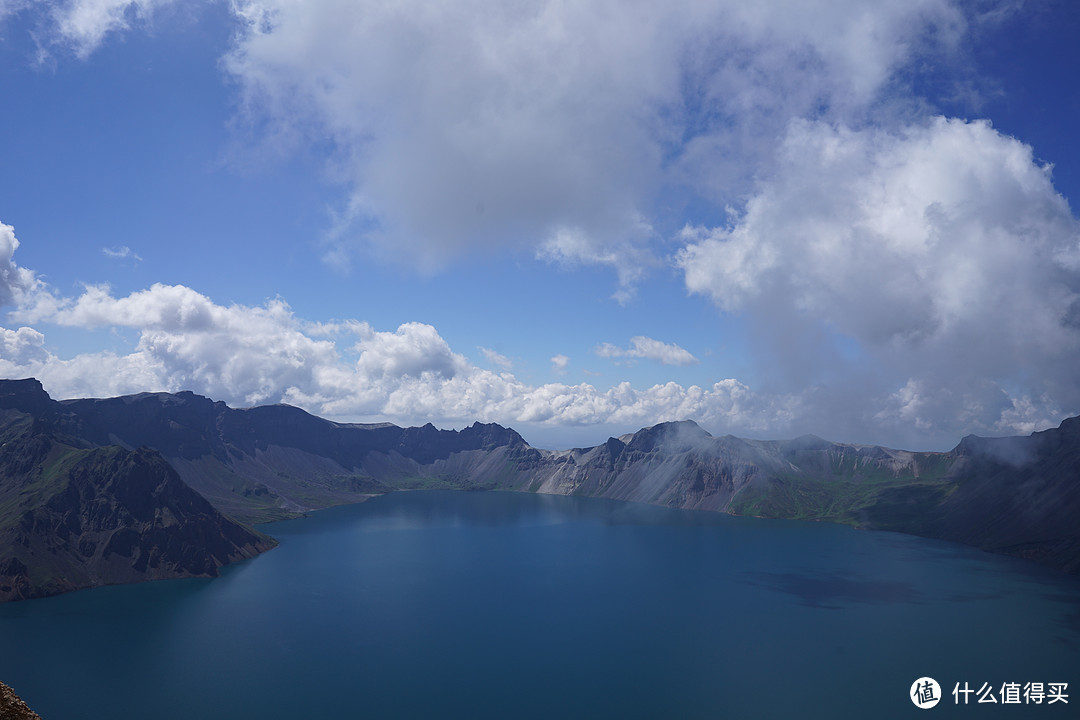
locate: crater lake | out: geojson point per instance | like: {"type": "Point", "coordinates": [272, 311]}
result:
{"type": "Point", "coordinates": [510, 605]}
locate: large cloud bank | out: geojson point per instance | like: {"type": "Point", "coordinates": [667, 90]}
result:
{"type": "Point", "coordinates": [940, 256]}
{"type": "Point", "coordinates": [348, 370]}
{"type": "Point", "coordinates": [559, 126]}
{"type": "Point", "coordinates": [901, 275]}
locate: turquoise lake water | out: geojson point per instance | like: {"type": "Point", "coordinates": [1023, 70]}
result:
{"type": "Point", "coordinates": [506, 605]}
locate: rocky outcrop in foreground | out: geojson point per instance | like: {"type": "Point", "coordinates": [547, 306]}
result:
{"type": "Point", "coordinates": [12, 707]}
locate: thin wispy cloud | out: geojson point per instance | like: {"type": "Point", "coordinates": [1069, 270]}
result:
{"type": "Point", "coordinates": [649, 349]}
{"type": "Point", "coordinates": [121, 252]}
{"type": "Point", "coordinates": [500, 361]}
{"type": "Point", "coordinates": [559, 363]}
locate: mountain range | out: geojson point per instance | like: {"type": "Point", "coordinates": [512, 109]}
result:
{"type": "Point", "coordinates": [156, 485]}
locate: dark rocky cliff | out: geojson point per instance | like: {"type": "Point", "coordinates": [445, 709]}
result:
{"type": "Point", "coordinates": [274, 461]}
{"type": "Point", "coordinates": [74, 515]}
{"type": "Point", "coordinates": [1018, 495]}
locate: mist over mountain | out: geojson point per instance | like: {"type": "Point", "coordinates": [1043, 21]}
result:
{"type": "Point", "coordinates": [94, 491]}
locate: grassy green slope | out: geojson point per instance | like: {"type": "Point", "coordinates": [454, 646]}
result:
{"type": "Point", "coordinates": [848, 490]}
{"type": "Point", "coordinates": [74, 517]}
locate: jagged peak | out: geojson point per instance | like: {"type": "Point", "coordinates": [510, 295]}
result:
{"type": "Point", "coordinates": [496, 426]}
{"type": "Point", "coordinates": [494, 433]}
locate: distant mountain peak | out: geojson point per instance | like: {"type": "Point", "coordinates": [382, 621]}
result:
{"type": "Point", "coordinates": [678, 434]}
{"type": "Point", "coordinates": [682, 425]}
{"type": "Point", "coordinates": [809, 440]}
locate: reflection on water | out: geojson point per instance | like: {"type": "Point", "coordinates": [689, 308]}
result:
{"type": "Point", "coordinates": [440, 508]}
{"type": "Point", "coordinates": [833, 590]}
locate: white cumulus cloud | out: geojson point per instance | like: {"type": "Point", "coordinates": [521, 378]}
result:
{"type": "Point", "coordinates": [561, 127]}
{"type": "Point", "coordinates": [414, 350]}
{"type": "Point", "coordinates": [342, 369]}
{"type": "Point", "coordinates": [21, 348]}
{"type": "Point", "coordinates": [892, 271]}
{"type": "Point", "coordinates": [20, 288]}
{"type": "Point", "coordinates": [15, 282]}
{"type": "Point", "coordinates": [941, 252]}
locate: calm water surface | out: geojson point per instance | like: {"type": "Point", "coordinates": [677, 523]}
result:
{"type": "Point", "coordinates": [505, 605]}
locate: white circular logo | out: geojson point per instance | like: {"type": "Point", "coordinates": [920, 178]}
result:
{"type": "Point", "coordinates": [925, 693]}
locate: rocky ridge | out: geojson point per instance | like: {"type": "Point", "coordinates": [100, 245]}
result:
{"type": "Point", "coordinates": [75, 515]}
{"type": "Point", "coordinates": [1012, 495]}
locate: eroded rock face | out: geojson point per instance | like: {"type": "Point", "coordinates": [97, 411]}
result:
{"type": "Point", "coordinates": [12, 707]}
{"type": "Point", "coordinates": [1019, 495]}
{"type": "Point", "coordinates": [270, 462]}
{"type": "Point", "coordinates": [73, 516]}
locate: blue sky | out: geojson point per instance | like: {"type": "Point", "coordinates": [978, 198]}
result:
{"type": "Point", "coordinates": [850, 218]}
